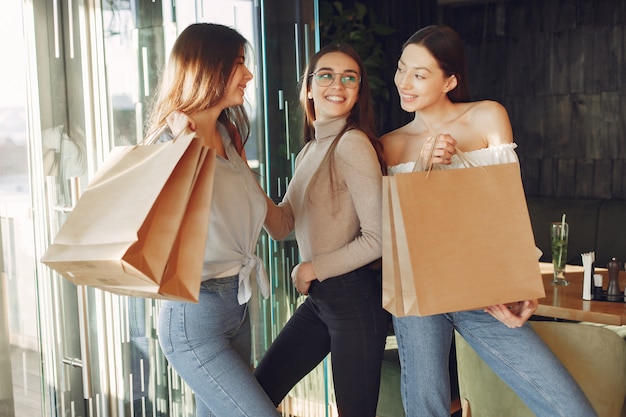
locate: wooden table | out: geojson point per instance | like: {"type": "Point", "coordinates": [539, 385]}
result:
{"type": "Point", "coordinates": [565, 302]}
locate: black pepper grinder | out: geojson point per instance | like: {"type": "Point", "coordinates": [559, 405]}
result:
{"type": "Point", "coordinates": [613, 292]}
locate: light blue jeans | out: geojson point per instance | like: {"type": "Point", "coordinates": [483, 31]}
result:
{"type": "Point", "coordinates": [209, 345]}
{"type": "Point", "coordinates": [518, 356]}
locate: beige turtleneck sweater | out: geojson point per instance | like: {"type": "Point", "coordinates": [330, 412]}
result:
{"type": "Point", "coordinates": [341, 232]}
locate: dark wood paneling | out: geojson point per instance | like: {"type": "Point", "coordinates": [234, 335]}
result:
{"type": "Point", "coordinates": [621, 85]}
{"type": "Point", "coordinates": [566, 178]}
{"type": "Point", "coordinates": [611, 124]}
{"type": "Point", "coordinates": [618, 189]}
{"type": "Point", "coordinates": [558, 115]}
{"type": "Point", "coordinates": [584, 178]}
{"type": "Point", "coordinates": [566, 15]}
{"type": "Point", "coordinates": [562, 79]}
{"type": "Point", "coordinates": [530, 175]}
{"type": "Point", "coordinates": [578, 64]}
{"type": "Point", "coordinates": [547, 177]}
{"type": "Point", "coordinates": [602, 179]}
{"type": "Point", "coordinates": [601, 48]}
{"type": "Point", "coordinates": [559, 61]}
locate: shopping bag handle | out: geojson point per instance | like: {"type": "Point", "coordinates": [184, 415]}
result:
{"type": "Point", "coordinates": [467, 161]}
{"type": "Point", "coordinates": [154, 137]}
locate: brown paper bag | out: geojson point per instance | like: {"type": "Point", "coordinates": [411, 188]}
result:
{"type": "Point", "coordinates": [140, 226]}
{"type": "Point", "coordinates": [463, 238]}
{"type": "Point", "coordinates": [392, 286]}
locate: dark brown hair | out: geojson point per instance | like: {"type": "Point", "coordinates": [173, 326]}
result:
{"type": "Point", "coordinates": [446, 46]}
{"type": "Point", "coordinates": [361, 116]}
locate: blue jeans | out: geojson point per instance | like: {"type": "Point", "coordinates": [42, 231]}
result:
{"type": "Point", "coordinates": [209, 346]}
{"type": "Point", "coordinates": [342, 316]}
{"type": "Point", "coordinates": [518, 356]}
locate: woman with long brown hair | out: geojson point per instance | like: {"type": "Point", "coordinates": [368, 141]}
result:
{"type": "Point", "coordinates": [431, 79]}
{"type": "Point", "coordinates": [209, 343]}
{"type": "Point", "coordinates": [334, 204]}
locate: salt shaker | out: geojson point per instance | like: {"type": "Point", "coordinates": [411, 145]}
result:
{"type": "Point", "coordinates": [613, 292]}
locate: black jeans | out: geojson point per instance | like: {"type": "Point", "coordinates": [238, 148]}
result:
{"type": "Point", "coordinates": [342, 316]}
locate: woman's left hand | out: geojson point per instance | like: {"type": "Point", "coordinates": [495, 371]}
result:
{"type": "Point", "coordinates": [513, 315]}
{"type": "Point", "coordinates": [302, 275]}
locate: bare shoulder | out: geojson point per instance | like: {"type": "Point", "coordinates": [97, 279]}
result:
{"type": "Point", "coordinates": [491, 121]}
{"type": "Point", "coordinates": [395, 144]}
{"type": "Point", "coordinates": [481, 111]}
{"type": "Point", "coordinates": [393, 136]}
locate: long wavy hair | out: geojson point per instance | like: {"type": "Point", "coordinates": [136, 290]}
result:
{"type": "Point", "coordinates": [361, 116]}
{"type": "Point", "coordinates": [446, 46]}
{"type": "Point", "coordinates": [196, 75]}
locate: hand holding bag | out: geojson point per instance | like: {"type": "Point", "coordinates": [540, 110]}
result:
{"type": "Point", "coordinates": [140, 226]}
{"type": "Point", "coordinates": [462, 239]}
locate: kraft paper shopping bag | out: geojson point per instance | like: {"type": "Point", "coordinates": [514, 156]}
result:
{"type": "Point", "coordinates": [131, 224]}
{"type": "Point", "coordinates": [464, 239]}
{"type": "Point", "coordinates": [392, 286]}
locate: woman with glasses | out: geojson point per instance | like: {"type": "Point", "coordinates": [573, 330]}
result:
{"type": "Point", "coordinates": [333, 203]}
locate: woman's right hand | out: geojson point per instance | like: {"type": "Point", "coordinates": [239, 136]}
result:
{"type": "Point", "coordinates": [178, 121]}
{"type": "Point", "coordinates": [302, 275]}
{"type": "Point", "coordinates": [515, 314]}
{"type": "Point", "coordinates": [443, 146]}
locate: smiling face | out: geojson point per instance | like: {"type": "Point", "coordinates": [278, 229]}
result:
{"type": "Point", "coordinates": [420, 80]}
{"type": "Point", "coordinates": [335, 100]}
{"type": "Point", "coordinates": [236, 86]}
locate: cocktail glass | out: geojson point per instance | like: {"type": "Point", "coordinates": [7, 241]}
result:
{"type": "Point", "coordinates": [559, 234]}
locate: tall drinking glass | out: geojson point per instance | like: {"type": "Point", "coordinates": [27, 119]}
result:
{"type": "Point", "coordinates": [559, 235]}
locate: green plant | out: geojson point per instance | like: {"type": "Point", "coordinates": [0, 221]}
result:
{"type": "Point", "coordinates": [358, 26]}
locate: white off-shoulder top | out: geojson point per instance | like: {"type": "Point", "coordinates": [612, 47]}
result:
{"type": "Point", "coordinates": [492, 155]}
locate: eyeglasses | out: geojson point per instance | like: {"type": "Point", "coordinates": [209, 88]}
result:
{"type": "Point", "coordinates": [325, 78]}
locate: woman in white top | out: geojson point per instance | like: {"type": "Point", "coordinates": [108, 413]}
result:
{"type": "Point", "coordinates": [209, 343]}
{"type": "Point", "coordinates": [431, 79]}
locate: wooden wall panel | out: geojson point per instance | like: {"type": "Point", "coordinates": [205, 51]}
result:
{"type": "Point", "coordinates": [566, 178]}
{"type": "Point", "coordinates": [547, 177]}
{"type": "Point", "coordinates": [621, 84]}
{"type": "Point", "coordinates": [540, 60]}
{"type": "Point", "coordinates": [618, 189]}
{"type": "Point", "coordinates": [588, 126]}
{"type": "Point", "coordinates": [559, 61]}
{"type": "Point", "coordinates": [578, 65]}
{"type": "Point", "coordinates": [586, 12]}
{"type": "Point", "coordinates": [530, 168]}
{"type": "Point", "coordinates": [563, 81]}
{"type": "Point", "coordinates": [559, 130]}
{"type": "Point", "coordinates": [603, 60]}
{"type": "Point", "coordinates": [583, 181]}
{"type": "Point", "coordinates": [612, 134]}
{"type": "Point", "coordinates": [611, 13]}
{"type": "Point", "coordinates": [602, 179]}
{"type": "Point", "coordinates": [519, 64]}
{"type": "Point", "coordinates": [566, 15]}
